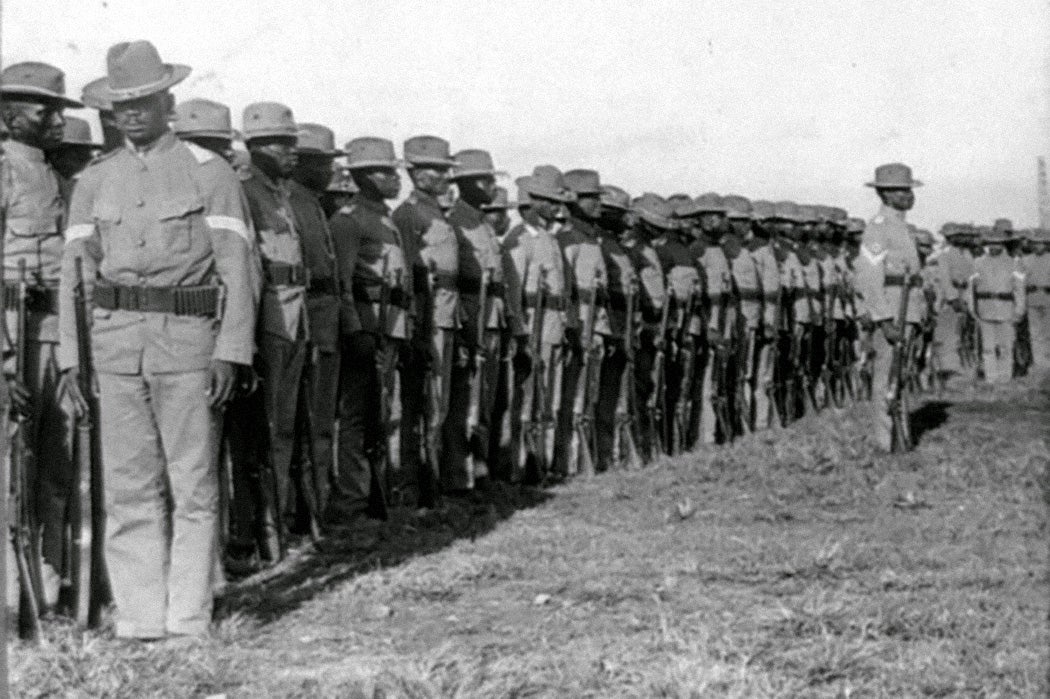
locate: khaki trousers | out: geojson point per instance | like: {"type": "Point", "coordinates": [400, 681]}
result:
{"type": "Point", "coordinates": [997, 350]}
{"type": "Point", "coordinates": [159, 450]}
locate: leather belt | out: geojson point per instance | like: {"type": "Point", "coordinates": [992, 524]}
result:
{"type": "Point", "coordinates": [284, 274]}
{"type": "Point", "coordinates": [998, 296]}
{"type": "Point", "coordinates": [895, 280]}
{"type": "Point", "coordinates": [446, 280]}
{"type": "Point", "coordinates": [1046, 289]}
{"type": "Point", "coordinates": [370, 292]}
{"type": "Point", "coordinates": [39, 299]}
{"type": "Point", "coordinates": [596, 296]}
{"type": "Point", "coordinates": [472, 286]}
{"type": "Point", "coordinates": [753, 295]}
{"type": "Point", "coordinates": [179, 300]}
{"type": "Point", "coordinates": [323, 286]}
{"type": "Point", "coordinates": [554, 303]}
{"type": "Point", "coordinates": [959, 285]}
{"type": "Point", "coordinates": [1030, 288]}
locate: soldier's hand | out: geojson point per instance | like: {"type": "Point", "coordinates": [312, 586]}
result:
{"type": "Point", "coordinates": [19, 396]}
{"type": "Point", "coordinates": [69, 384]}
{"type": "Point", "coordinates": [247, 380]}
{"type": "Point", "coordinates": [890, 332]}
{"type": "Point", "coordinates": [223, 383]}
{"type": "Point", "coordinates": [957, 305]}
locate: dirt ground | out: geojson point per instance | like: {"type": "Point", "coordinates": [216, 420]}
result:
{"type": "Point", "coordinates": [793, 563]}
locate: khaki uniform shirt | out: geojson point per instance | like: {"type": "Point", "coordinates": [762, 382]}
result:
{"type": "Point", "coordinates": [420, 219]}
{"type": "Point", "coordinates": [791, 281]}
{"type": "Point", "coordinates": [34, 208]}
{"type": "Point", "coordinates": [715, 278]}
{"type": "Point", "coordinates": [172, 215]}
{"type": "Point", "coordinates": [996, 290]}
{"type": "Point", "coordinates": [282, 310]}
{"type": "Point", "coordinates": [584, 268]}
{"type": "Point", "coordinates": [365, 235]}
{"type": "Point", "coordinates": [887, 252]}
{"type": "Point", "coordinates": [769, 282]}
{"type": "Point", "coordinates": [936, 278]}
{"type": "Point", "coordinates": [749, 283]}
{"type": "Point", "coordinates": [651, 277]}
{"type": "Point", "coordinates": [611, 320]}
{"type": "Point", "coordinates": [533, 250]}
{"type": "Point", "coordinates": [680, 267]}
{"type": "Point", "coordinates": [322, 292]}
{"type": "Point", "coordinates": [479, 250]}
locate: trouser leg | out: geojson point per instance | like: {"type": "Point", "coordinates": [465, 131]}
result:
{"type": "Point", "coordinates": [281, 367]}
{"type": "Point", "coordinates": [882, 421]}
{"type": "Point", "coordinates": [1039, 321]}
{"type": "Point", "coordinates": [572, 365]}
{"type": "Point", "coordinates": [359, 428]}
{"type": "Point", "coordinates": [644, 386]}
{"type": "Point", "coordinates": [765, 409]}
{"type": "Point", "coordinates": [998, 350]}
{"type": "Point", "coordinates": [705, 394]}
{"type": "Point", "coordinates": [608, 400]}
{"type": "Point", "coordinates": [325, 395]}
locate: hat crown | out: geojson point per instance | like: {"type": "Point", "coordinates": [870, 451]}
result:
{"type": "Point", "coordinates": [1003, 225]}
{"type": "Point", "coordinates": [132, 64]}
{"type": "Point", "coordinates": [370, 151]}
{"type": "Point", "coordinates": [268, 119]}
{"type": "Point", "coordinates": [202, 116]}
{"type": "Point", "coordinates": [473, 160]}
{"type": "Point", "coordinates": [546, 182]}
{"type": "Point", "coordinates": [787, 210]}
{"type": "Point", "coordinates": [76, 131]}
{"type": "Point", "coordinates": [762, 209]}
{"type": "Point", "coordinates": [427, 150]}
{"type": "Point", "coordinates": [92, 95]}
{"type": "Point", "coordinates": [316, 137]}
{"type": "Point", "coordinates": [894, 175]}
{"type": "Point", "coordinates": [654, 206]}
{"type": "Point", "coordinates": [500, 199]}
{"type": "Point", "coordinates": [33, 74]}
{"type": "Point", "coordinates": [807, 213]}
{"type": "Point", "coordinates": [738, 206]}
{"type": "Point", "coordinates": [615, 197]}
{"type": "Point", "coordinates": [837, 215]}
{"type": "Point", "coordinates": [709, 201]}
{"type": "Point", "coordinates": [583, 181]}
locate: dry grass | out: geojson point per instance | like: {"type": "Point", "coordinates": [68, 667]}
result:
{"type": "Point", "coordinates": [796, 563]}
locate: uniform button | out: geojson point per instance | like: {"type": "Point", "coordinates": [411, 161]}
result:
{"type": "Point", "coordinates": [140, 203]}
{"type": "Point", "coordinates": [142, 243]}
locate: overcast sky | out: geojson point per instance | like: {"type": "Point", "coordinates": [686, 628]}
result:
{"type": "Point", "coordinates": [796, 100]}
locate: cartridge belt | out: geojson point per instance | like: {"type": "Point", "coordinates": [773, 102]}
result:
{"type": "Point", "coordinates": [998, 296]}
{"type": "Point", "coordinates": [179, 300]}
{"type": "Point", "coordinates": [284, 274]}
{"type": "Point", "coordinates": [322, 286]}
{"type": "Point", "coordinates": [554, 303]}
{"type": "Point", "coordinates": [372, 292]}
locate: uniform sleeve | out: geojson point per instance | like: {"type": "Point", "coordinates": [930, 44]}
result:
{"type": "Point", "coordinates": [971, 294]}
{"type": "Point", "coordinates": [347, 240]}
{"type": "Point", "coordinates": [515, 312]}
{"type": "Point", "coordinates": [1020, 284]}
{"type": "Point", "coordinates": [652, 280]}
{"type": "Point", "coordinates": [83, 242]}
{"type": "Point", "coordinates": [871, 277]}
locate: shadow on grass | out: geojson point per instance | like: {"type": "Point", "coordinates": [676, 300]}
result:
{"type": "Point", "coordinates": [929, 417]}
{"type": "Point", "coordinates": [315, 569]}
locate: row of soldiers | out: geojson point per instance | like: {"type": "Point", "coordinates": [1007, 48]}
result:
{"type": "Point", "coordinates": [276, 353]}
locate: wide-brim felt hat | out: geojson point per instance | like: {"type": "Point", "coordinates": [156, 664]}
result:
{"type": "Point", "coordinates": [269, 120]}
{"type": "Point", "coordinates": [893, 176]}
{"type": "Point", "coordinates": [317, 139]}
{"type": "Point", "coordinates": [204, 118]}
{"type": "Point", "coordinates": [786, 211]}
{"type": "Point", "coordinates": [92, 95]}
{"type": "Point", "coordinates": [77, 133]}
{"type": "Point", "coordinates": [710, 203]}
{"type": "Point", "coordinates": [500, 202]}
{"type": "Point", "coordinates": [991, 236]}
{"type": "Point", "coordinates": [656, 211]}
{"type": "Point", "coordinates": [370, 151]}
{"type": "Point", "coordinates": [737, 206]}
{"type": "Point", "coordinates": [473, 162]}
{"type": "Point", "coordinates": [682, 205]}
{"type": "Point", "coordinates": [547, 182]}
{"type": "Point", "coordinates": [425, 151]}
{"type": "Point", "coordinates": [615, 198]}
{"type": "Point", "coordinates": [583, 182]}
{"type": "Point", "coordinates": [37, 82]}
{"type": "Point", "coordinates": [134, 69]}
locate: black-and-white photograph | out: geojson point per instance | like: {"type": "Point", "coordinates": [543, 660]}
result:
{"type": "Point", "coordinates": [578, 348]}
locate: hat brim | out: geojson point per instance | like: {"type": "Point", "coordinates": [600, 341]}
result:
{"type": "Point", "coordinates": [40, 94]}
{"type": "Point", "coordinates": [561, 198]}
{"type": "Point", "coordinates": [667, 224]}
{"type": "Point", "coordinates": [334, 153]}
{"type": "Point", "coordinates": [613, 205]}
{"type": "Point", "coordinates": [175, 74]}
{"type": "Point", "coordinates": [228, 135]}
{"type": "Point", "coordinates": [270, 133]}
{"type": "Point", "coordinates": [365, 164]}
{"type": "Point", "coordinates": [464, 174]}
{"type": "Point", "coordinates": [894, 185]}
{"type": "Point", "coordinates": [430, 162]}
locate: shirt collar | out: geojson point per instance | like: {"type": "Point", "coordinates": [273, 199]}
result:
{"type": "Point", "coordinates": [162, 144]}
{"type": "Point", "coordinates": [270, 183]}
{"type": "Point", "coordinates": [890, 213]}
{"type": "Point", "coordinates": [465, 212]}
{"type": "Point", "coordinates": [376, 207]}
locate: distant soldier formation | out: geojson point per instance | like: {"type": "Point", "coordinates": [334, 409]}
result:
{"type": "Point", "coordinates": [216, 355]}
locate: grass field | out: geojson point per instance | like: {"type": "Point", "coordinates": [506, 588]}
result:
{"type": "Point", "coordinates": [794, 563]}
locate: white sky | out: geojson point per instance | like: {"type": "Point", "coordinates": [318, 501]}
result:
{"type": "Point", "coordinates": [796, 100]}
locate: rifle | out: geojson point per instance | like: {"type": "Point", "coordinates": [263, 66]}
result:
{"type": "Point", "coordinates": [829, 368]}
{"type": "Point", "coordinates": [310, 481]}
{"type": "Point", "coordinates": [805, 350]}
{"type": "Point", "coordinates": [625, 446]}
{"type": "Point", "coordinates": [24, 528]}
{"type": "Point", "coordinates": [744, 353]}
{"type": "Point", "coordinates": [896, 395]}
{"type": "Point", "coordinates": [586, 398]}
{"type": "Point", "coordinates": [379, 464]}
{"type": "Point", "coordinates": [686, 350]}
{"type": "Point", "coordinates": [655, 403]}
{"type": "Point", "coordinates": [721, 356]}
{"type": "Point", "coordinates": [430, 444]}
{"type": "Point", "coordinates": [88, 572]}
{"type": "Point", "coordinates": [534, 439]}
{"type": "Point", "coordinates": [778, 389]}
{"type": "Point", "coordinates": [479, 442]}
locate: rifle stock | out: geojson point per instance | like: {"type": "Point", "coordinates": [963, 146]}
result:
{"type": "Point", "coordinates": [896, 391]}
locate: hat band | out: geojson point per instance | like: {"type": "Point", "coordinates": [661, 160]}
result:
{"type": "Point", "coordinates": [135, 90]}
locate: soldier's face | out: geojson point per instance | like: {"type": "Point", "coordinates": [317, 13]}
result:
{"type": "Point", "coordinates": [313, 171]}
{"type": "Point", "coordinates": [38, 125]}
{"type": "Point", "coordinates": [383, 182]}
{"type": "Point", "coordinates": [477, 191]}
{"type": "Point", "coordinates": [742, 227]}
{"type": "Point", "coordinates": [590, 205]}
{"type": "Point", "coordinates": [144, 120]}
{"type": "Point", "coordinates": [499, 220]}
{"type": "Point", "coordinates": [994, 249]}
{"type": "Point", "coordinates": [276, 155]}
{"type": "Point", "coordinates": [899, 199]}
{"type": "Point", "coordinates": [546, 209]}
{"type": "Point", "coordinates": [430, 179]}
{"type": "Point", "coordinates": [712, 222]}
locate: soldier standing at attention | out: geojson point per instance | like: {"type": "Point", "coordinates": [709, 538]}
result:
{"type": "Point", "coordinates": [1039, 298]}
{"type": "Point", "coordinates": [995, 297]}
{"type": "Point", "coordinates": [496, 213]}
{"type": "Point", "coordinates": [747, 278]}
{"type": "Point", "coordinates": [761, 250]}
{"type": "Point", "coordinates": [887, 261]}
{"type": "Point", "coordinates": [367, 246]}
{"type": "Point", "coordinates": [207, 124]}
{"type": "Point", "coordinates": [271, 134]}
{"type": "Point", "coordinates": [536, 256]}
{"type": "Point", "coordinates": [435, 275]}
{"type": "Point", "coordinates": [586, 275]}
{"type": "Point", "coordinates": [72, 155]}
{"type": "Point", "coordinates": [311, 176]}
{"type": "Point", "coordinates": [162, 231]}
{"type": "Point", "coordinates": [469, 422]}
{"type": "Point", "coordinates": [33, 209]}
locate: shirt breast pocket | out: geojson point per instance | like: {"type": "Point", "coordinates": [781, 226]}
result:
{"type": "Point", "coordinates": [107, 221]}
{"type": "Point", "coordinates": [180, 220]}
